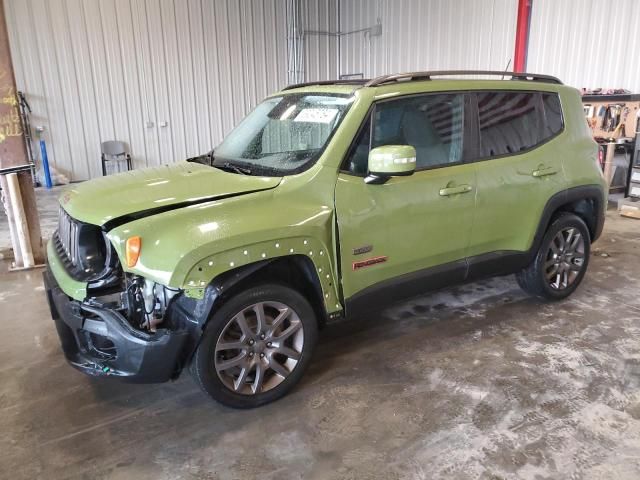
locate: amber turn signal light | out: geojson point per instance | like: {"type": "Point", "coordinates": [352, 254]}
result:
{"type": "Point", "coordinates": [132, 250]}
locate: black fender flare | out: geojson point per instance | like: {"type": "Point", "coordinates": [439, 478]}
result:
{"type": "Point", "coordinates": [565, 197]}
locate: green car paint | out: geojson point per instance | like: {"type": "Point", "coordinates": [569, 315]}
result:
{"type": "Point", "coordinates": [186, 248]}
{"type": "Point", "coordinates": [392, 160]}
{"type": "Point", "coordinates": [106, 198]}
{"type": "Point", "coordinates": [228, 220]}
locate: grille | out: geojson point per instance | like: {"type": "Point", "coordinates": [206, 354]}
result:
{"type": "Point", "coordinates": [81, 248]}
{"type": "Point", "coordinates": [67, 239]}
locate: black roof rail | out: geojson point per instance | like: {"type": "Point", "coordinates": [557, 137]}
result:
{"type": "Point", "coordinates": [359, 81]}
{"type": "Point", "coordinates": [416, 76]}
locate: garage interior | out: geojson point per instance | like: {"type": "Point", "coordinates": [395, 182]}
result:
{"type": "Point", "coordinates": [478, 381]}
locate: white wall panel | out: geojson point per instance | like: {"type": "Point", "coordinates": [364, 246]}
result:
{"type": "Point", "coordinates": [587, 43]}
{"type": "Point", "coordinates": [320, 43]}
{"type": "Point", "coordinates": [426, 35]}
{"type": "Point", "coordinates": [103, 70]}
{"type": "Point", "coordinates": [100, 70]}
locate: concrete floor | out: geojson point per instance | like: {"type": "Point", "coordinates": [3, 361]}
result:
{"type": "Point", "coordinates": [473, 382]}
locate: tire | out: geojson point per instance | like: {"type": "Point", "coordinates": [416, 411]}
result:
{"type": "Point", "coordinates": [545, 276]}
{"type": "Point", "coordinates": [237, 367]}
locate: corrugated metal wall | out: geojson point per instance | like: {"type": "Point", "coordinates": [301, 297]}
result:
{"type": "Point", "coordinates": [587, 43]}
{"type": "Point", "coordinates": [320, 48]}
{"type": "Point", "coordinates": [172, 77]}
{"type": "Point", "coordinates": [426, 35]}
{"type": "Point", "coordinates": [104, 70]}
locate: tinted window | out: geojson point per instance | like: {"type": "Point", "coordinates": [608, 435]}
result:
{"type": "Point", "coordinates": [509, 122]}
{"type": "Point", "coordinates": [432, 124]}
{"type": "Point", "coordinates": [552, 114]}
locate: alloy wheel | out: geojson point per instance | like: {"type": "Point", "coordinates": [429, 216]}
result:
{"type": "Point", "coordinates": [259, 347]}
{"type": "Point", "coordinates": [565, 258]}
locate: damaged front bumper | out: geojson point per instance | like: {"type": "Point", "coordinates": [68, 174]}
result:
{"type": "Point", "coordinates": [100, 341]}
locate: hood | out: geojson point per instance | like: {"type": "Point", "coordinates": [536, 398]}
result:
{"type": "Point", "coordinates": [117, 198]}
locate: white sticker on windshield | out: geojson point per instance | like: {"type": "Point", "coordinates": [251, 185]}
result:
{"type": "Point", "coordinates": [316, 115]}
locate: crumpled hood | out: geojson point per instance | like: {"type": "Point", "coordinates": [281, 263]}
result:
{"type": "Point", "coordinates": [147, 191]}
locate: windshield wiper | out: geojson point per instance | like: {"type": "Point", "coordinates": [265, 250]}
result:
{"type": "Point", "coordinates": [228, 166]}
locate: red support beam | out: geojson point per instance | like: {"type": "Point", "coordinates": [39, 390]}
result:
{"type": "Point", "coordinates": [522, 35]}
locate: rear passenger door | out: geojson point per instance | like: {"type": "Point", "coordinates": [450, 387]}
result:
{"type": "Point", "coordinates": [517, 169]}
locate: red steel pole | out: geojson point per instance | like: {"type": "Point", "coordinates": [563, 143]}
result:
{"type": "Point", "coordinates": [522, 35]}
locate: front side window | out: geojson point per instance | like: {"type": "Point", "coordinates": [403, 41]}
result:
{"type": "Point", "coordinates": [283, 135]}
{"type": "Point", "coordinates": [432, 124]}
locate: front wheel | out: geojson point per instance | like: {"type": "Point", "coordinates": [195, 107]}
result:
{"type": "Point", "coordinates": [256, 347]}
{"type": "Point", "coordinates": [561, 261]}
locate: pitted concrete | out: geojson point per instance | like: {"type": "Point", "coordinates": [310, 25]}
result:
{"type": "Point", "coordinates": [478, 381]}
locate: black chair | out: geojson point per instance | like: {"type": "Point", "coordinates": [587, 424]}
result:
{"type": "Point", "coordinates": [114, 151]}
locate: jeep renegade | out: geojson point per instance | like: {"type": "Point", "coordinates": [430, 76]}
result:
{"type": "Point", "coordinates": [328, 199]}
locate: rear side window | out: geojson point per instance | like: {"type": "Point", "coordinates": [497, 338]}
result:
{"type": "Point", "coordinates": [509, 122]}
{"type": "Point", "coordinates": [513, 122]}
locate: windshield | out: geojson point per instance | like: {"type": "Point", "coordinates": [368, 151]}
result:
{"type": "Point", "coordinates": [283, 135]}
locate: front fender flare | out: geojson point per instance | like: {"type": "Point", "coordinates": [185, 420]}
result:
{"type": "Point", "coordinates": [211, 267]}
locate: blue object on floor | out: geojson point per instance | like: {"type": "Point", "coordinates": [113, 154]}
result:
{"type": "Point", "coordinates": [45, 165]}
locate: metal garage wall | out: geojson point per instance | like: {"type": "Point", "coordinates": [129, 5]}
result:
{"type": "Point", "coordinates": [320, 23]}
{"type": "Point", "coordinates": [118, 69]}
{"type": "Point", "coordinates": [587, 43]}
{"type": "Point", "coordinates": [426, 35]}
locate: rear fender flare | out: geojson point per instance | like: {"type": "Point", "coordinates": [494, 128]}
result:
{"type": "Point", "coordinates": [566, 197]}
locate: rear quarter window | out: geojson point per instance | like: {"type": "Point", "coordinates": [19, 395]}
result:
{"type": "Point", "coordinates": [553, 122]}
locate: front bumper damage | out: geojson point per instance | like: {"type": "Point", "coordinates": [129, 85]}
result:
{"type": "Point", "coordinates": [99, 341]}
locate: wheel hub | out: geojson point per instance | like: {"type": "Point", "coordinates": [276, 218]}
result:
{"type": "Point", "coordinates": [259, 347]}
{"type": "Point", "coordinates": [565, 258]}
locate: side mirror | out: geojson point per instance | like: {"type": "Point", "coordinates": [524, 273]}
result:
{"type": "Point", "coordinates": [390, 161]}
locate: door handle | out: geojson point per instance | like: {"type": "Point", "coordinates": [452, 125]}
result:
{"type": "Point", "coordinates": [445, 192]}
{"type": "Point", "coordinates": [543, 171]}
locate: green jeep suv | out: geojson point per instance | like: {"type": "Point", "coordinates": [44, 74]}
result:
{"type": "Point", "coordinates": [329, 199]}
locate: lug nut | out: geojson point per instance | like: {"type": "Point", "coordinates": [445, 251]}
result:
{"type": "Point", "coordinates": [251, 342]}
{"type": "Point", "coordinates": [262, 336]}
{"type": "Point", "coordinates": [262, 355]}
{"type": "Point", "coordinates": [251, 354]}
{"type": "Point", "coordinates": [269, 344]}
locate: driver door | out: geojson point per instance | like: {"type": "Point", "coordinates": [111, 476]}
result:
{"type": "Point", "coordinates": [410, 234]}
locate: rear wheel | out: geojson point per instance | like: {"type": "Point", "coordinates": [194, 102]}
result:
{"type": "Point", "coordinates": [561, 261]}
{"type": "Point", "coordinates": [256, 347]}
